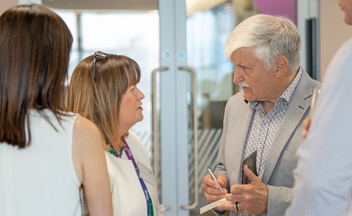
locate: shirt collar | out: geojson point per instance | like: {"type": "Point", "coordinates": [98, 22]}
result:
{"type": "Point", "coordinates": [291, 88]}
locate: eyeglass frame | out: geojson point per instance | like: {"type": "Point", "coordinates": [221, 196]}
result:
{"type": "Point", "coordinates": [97, 55]}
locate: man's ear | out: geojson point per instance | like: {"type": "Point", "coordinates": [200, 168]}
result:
{"type": "Point", "coordinates": [280, 66]}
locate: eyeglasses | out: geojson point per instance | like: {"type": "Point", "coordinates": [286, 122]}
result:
{"type": "Point", "coordinates": [97, 55]}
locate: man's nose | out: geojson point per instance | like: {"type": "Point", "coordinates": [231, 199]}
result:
{"type": "Point", "coordinates": [237, 76]}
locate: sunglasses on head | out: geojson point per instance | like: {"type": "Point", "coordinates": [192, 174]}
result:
{"type": "Point", "coordinates": [97, 55]}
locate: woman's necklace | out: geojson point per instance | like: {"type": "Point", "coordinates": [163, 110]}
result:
{"type": "Point", "coordinates": [115, 152]}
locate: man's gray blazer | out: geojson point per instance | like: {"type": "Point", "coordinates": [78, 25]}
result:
{"type": "Point", "coordinates": [282, 157]}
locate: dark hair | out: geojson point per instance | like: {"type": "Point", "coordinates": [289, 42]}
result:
{"type": "Point", "coordinates": [99, 98]}
{"type": "Point", "coordinates": [35, 46]}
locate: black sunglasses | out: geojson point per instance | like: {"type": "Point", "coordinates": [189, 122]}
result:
{"type": "Point", "coordinates": [97, 55]}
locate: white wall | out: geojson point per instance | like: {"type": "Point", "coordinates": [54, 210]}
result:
{"type": "Point", "coordinates": [6, 4]}
{"type": "Point", "coordinates": [333, 32]}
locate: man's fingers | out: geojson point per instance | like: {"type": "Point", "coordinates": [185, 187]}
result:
{"type": "Point", "coordinates": [251, 176]}
{"type": "Point", "coordinates": [306, 123]}
{"type": "Point", "coordinates": [212, 187]}
{"type": "Point", "coordinates": [304, 134]}
{"type": "Point", "coordinates": [223, 181]}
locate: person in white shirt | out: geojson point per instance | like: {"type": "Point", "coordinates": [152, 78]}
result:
{"type": "Point", "coordinates": [324, 170]}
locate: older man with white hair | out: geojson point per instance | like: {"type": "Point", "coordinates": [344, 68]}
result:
{"type": "Point", "coordinates": [262, 123]}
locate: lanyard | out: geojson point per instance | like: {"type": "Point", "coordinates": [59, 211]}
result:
{"type": "Point", "coordinates": [130, 157]}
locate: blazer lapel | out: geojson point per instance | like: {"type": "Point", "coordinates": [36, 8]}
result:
{"type": "Point", "coordinates": [298, 106]}
{"type": "Point", "coordinates": [240, 132]}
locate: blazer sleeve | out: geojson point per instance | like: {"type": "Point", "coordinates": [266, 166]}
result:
{"type": "Point", "coordinates": [278, 200]}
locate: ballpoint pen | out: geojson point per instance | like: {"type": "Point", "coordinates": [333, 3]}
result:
{"type": "Point", "coordinates": [213, 176]}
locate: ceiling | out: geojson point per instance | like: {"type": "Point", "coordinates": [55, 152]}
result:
{"type": "Point", "coordinates": [102, 4]}
{"type": "Point", "coordinates": [128, 5]}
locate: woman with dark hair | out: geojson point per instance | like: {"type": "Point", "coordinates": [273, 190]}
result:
{"type": "Point", "coordinates": [46, 154]}
{"type": "Point", "coordinates": [103, 88]}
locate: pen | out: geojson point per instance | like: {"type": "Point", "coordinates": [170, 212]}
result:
{"type": "Point", "coordinates": [213, 176]}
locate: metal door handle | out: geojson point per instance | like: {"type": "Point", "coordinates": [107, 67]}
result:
{"type": "Point", "coordinates": [155, 126]}
{"type": "Point", "coordinates": [195, 135]}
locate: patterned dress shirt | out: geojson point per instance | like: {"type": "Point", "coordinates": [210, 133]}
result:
{"type": "Point", "coordinates": [263, 127]}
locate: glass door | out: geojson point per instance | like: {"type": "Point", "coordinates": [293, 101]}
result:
{"type": "Point", "coordinates": [195, 83]}
{"type": "Point", "coordinates": [207, 31]}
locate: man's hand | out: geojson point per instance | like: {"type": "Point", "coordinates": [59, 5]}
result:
{"type": "Point", "coordinates": [252, 198]}
{"type": "Point", "coordinates": [211, 189]}
{"type": "Point", "coordinates": [306, 126]}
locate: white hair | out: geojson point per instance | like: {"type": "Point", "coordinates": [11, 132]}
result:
{"type": "Point", "coordinates": [268, 36]}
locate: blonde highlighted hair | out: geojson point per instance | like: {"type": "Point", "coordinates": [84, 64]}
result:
{"type": "Point", "coordinates": [98, 98]}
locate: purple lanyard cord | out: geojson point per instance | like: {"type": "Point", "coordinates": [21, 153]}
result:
{"type": "Point", "coordinates": [130, 157]}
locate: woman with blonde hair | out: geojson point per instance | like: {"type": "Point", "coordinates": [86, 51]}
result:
{"type": "Point", "coordinates": [103, 88]}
